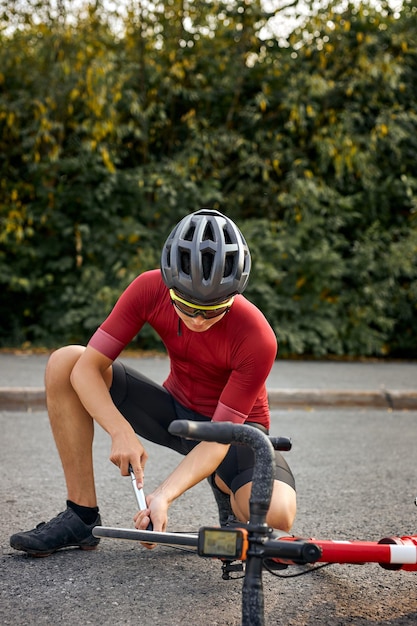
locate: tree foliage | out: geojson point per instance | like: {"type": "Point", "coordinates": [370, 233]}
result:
{"type": "Point", "coordinates": [113, 126]}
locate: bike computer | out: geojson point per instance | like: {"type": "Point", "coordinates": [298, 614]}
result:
{"type": "Point", "coordinates": [223, 543]}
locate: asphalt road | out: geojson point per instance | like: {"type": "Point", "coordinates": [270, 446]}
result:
{"type": "Point", "coordinates": [356, 479]}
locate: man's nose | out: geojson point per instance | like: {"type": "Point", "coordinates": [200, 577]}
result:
{"type": "Point", "coordinates": [198, 320]}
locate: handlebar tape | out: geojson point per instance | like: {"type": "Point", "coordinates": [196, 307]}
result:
{"type": "Point", "coordinates": [222, 432]}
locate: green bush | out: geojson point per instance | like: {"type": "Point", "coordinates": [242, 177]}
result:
{"type": "Point", "coordinates": [107, 139]}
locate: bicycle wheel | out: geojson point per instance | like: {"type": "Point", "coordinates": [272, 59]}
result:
{"type": "Point", "coordinates": [189, 540]}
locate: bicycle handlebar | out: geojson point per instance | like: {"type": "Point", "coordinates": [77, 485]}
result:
{"type": "Point", "coordinates": [261, 493]}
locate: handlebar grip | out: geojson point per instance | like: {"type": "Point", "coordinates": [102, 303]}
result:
{"type": "Point", "coordinates": [295, 550]}
{"type": "Point", "coordinates": [281, 443]}
{"type": "Point", "coordinates": [222, 432]}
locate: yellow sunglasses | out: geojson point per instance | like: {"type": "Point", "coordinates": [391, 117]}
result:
{"type": "Point", "coordinates": [191, 310]}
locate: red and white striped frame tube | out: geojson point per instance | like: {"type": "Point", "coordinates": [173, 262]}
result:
{"type": "Point", "coordinates": [391, 552]}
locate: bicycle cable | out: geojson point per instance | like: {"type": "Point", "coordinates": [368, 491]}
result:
{"type": "Point", "coordinates": [169, 547]}
{"type": "Point", "coordinates": [303, 573]}
{"type": "Point", "coordinates": [182, 549]}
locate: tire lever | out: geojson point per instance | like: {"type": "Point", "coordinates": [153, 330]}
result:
{"type": "Point", "coordinates": [139, 494]}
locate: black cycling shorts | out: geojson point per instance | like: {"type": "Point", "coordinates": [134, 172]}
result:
{"type": "Point", "coordinates": [150, 409]}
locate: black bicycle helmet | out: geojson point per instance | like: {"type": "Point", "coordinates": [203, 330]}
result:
{"type": "Point", "coordinates": [206, 258]}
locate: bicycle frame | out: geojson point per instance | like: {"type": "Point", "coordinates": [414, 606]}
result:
{"type": "Point", "coordinates": [396, 553]}
{"type": "Point", "coordinates": [390, 552]}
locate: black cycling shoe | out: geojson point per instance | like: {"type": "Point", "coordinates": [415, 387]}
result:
{"type": "Point", "coordinates": [223, 502]}
{"type": "Point", "coordinates": [63, 531]}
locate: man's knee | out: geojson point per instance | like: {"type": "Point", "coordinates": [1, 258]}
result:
{"type": "Point", "coordinates": [282, 519]}
{"type": "Point", "coordinates": [283, 507]}
{"type": "Point", "coordinates": [60, 365]}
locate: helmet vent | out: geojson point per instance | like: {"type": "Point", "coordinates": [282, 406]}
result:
{"type": "Point", "coordinates": [189, 234]}
{"type": "Point", "coordinates": [228, 265]}
{"type": "Point", "coordinates": [207, 260]}
{"type": "Point", "coordinates": [185, 262]}
{"type": "Point", "coordinates": [208, 233]}
{"type": "Point", "coordinates": [227, 237]}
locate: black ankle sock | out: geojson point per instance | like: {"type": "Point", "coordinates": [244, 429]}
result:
{"type": "Point", "coordinates": [88, 514]}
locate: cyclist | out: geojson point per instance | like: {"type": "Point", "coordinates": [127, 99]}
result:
{"type": "Point", "coordinates": [221, 350]}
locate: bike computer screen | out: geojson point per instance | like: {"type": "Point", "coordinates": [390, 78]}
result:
{"type": "Point", "coordinates": [225, 543]}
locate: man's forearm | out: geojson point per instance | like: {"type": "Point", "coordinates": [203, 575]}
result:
{"type": "Point", "coordinates": [202, 461]}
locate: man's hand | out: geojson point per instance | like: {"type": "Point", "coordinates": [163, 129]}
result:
{"type": "Point", "coordinates": [157, 512]}
{"type": "Point", "coordinates": [127, 450]}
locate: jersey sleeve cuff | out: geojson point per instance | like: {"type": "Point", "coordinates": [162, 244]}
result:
{"type": "Point", "coordinates": [224, 413]}
{"type": "Point", "coordinates": [106, 344]}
